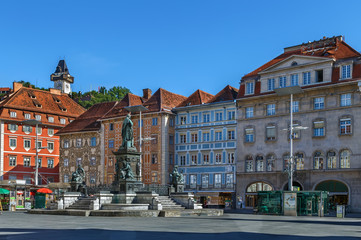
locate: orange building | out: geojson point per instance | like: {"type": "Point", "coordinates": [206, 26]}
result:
{"type": "Point", "coordinates": [53, 110]}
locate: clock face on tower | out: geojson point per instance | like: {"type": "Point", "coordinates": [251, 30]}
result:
{"type": "Point", "coordinates": [58, 85]}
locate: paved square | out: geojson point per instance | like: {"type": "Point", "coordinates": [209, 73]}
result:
{"type": "Point", "coordinates": [18, 225]}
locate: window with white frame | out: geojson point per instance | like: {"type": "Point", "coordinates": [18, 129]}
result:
{"type": "Point", "coordinates": [27, 161]}
{"type": "Point", "coordinates": [27, 143]}
{"type": "Point", "coordinates": [270, 162]}
{"type": "Point", "coordinates": [318, 128]}
{"type": "Point", "coordinates": [249, 88]}
{"type": "Point", "coordinates": [345, 156]}
{"type": "Point", "coordinates": [282, 82]}
{"type": "Point", "coordinates": [12, 142]}
{"type": "Point", "coordinates": [194, 118]}
{"type": "Point", "coordinates": [39, 131]}
{"type": "Point", "coordinates": [231, 115]}
{"type": "Point", "coordinates": [51, 119]}
{"type": "Point", "coordinates": [345, 100]}
{"type": "Point", "coordinates": [271, 132]}
{"type": "Point", "coordinates": [205, 180]}
{"type": "Point", "coordinates": [194, 159]}
{"type": "Point", "coordinates": [183, 138]}
{"type": "Point", "coordinates": [192, 181]}
{"type": "Point", "coordinates": [217, 180]}
{"type": "Point", "coordinates": [50, 163]}
{"type": "Point", "coordinates": [183, 120]}
{"type": "Point", "coordinates": [318, 160]}
{"type": "Point", "coordinates": [259, 164]}
{"type": "Point", "coordinates": [66, 162]}
{"type": "Point", "coordinates": [271, 109]}
{"type": "Point", "coordinates": [12, 127]}
{"type": "Point", "coordinates": [40, 163]}
{"type": "Point", "coordinates": [206, 137]}
{"type": "Point", "coordinates": [346, 71]}
{"type": "Point", "coordinates": [345, 126]}
{"type": "Point", "coordinates": [231, 134]}
{"type": "Point", "coordinates": [231, 157]}
{"type": "Point", "coordinates": [27, 115]}
{"type": "Point", "coordinates": [319, 103]}
{"type": "Point", "coordinates": [271, 84]}
{"type": "Point", "coordinates": [194, 137]}
{"type": "Point", "coordinates": [62, 121]}
{"type": "Point", "coordinates": [219, 116]}
{"type": "Point", "coordinates": [294, 79]}
{"type": "Point", "coordinates": [296, 106]}
{"type": "Point", "coordinates": [229, 180]}
{"type": "Point", "coordinates": [331, 160]}
{"type": "Point", "coordinates": [206, 117]}
{"type": "Point", "coordinates": [12, 161]}
{"type": "Point", "coordinates": [182, 161]}
{"type": "Point", "coordinates": [50, 131]}
{"type": "Point", "coordinates": [206, 158]}
{"type": "Point", "coordinates": [13, 114]}
{"type": "Point", "coordinates": [66, 144]}
{"type": "Point", "coordinates": [218, 135]}
{"type": "Point", "coordinates": [249, 112]}
{"type": "Point", "coordinates": [38, 117]}
{"type": "Point", "coordinates": [27, 129]}
{"type": "Point", "coordinates": [249, 135]}
{"type": "Point", "coordinates": [50, 146]}
{"type": "Point", "coordinates": [306, 78]}
{"type": "Point", "coordinates": [40, 145]}
{"type": "Point", "coordinates": [249, 163]}
{"type": "Point", "coordinates": [218, 158]}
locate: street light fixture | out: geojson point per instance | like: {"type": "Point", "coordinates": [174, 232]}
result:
{"type": "Point", "coordinates": [140, 109]}
{"type": "Point", "coordinates": [282, 92]}
{"type": "Point", "coordinates": [36, 123]}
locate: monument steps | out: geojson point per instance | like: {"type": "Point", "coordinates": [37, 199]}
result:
{"type": "Point", "coordinates": [84, 203]}
{"type": "Point", "coordinates": [169, 204]}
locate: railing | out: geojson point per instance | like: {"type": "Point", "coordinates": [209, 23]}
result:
{"type": "Point", "coordinates": [162, 190]}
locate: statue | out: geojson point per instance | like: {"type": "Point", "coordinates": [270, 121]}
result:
{"type": "Point", "coordinates": [126, 172]}
{"type": "Point", "coordinates": [79, 175]}
{"type": "Point", "coordinates": [176, 177]}
{"type": "Point", "coordinates": [127, 133]}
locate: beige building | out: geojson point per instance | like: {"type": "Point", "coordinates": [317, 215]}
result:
{"type": "Point", "coordinates": [327, 154]}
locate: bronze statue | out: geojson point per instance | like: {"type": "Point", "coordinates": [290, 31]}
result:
{"type": "Point", "coordinates": [127, 133]}
{"type": "Point", "coordinates": [176, 177]}
{"type": "Point", "coordinates": [79, 175]}
{"type": "Point", "coordinates": [126, 172]}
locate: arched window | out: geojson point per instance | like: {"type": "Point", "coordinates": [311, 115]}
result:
{"type": "Point", "coordinates": [300, 161]}
{"type": "Point", "coordinates": [318, 160]}
{"type": "Point", "coordinates": [345, 159]}
{"type": "Point", "coordinates": [294, 63]}
{"type": "Point", "coordinates": [270, 159]}
{"type": "Point", "coordinates": [331, 160]}
{"type": "Point", "coordinates": [259, 186]}
{"type": "Point", "coordinates": [259, 163]}
{"type": "Point", "coordinates": [249, 163]}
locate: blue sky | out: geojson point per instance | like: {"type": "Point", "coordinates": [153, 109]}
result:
{"type": "Point", "coordinates": [179, 45]}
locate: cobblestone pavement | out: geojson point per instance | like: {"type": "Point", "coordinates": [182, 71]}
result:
{"type": "Point", "coordinates": [18, 225]}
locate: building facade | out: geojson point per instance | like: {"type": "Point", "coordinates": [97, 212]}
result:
{"type": "Point", "coordinates": [205, 146]}
{"type": "Point", "coordinates": [327, 150]}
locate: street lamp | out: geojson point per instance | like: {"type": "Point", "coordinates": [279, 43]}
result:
{"type": "Point", "coordinates": [140, 109]}
{"type": "Point", "coordinates": [282, 92]}
{"type": "Point", "coordinates": [36, 123]}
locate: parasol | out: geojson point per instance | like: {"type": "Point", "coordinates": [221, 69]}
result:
{"type": "Point", "coordinates": [44, 190]}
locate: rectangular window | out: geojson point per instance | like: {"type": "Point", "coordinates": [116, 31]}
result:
{"type": "Point", "coordinates": [260, 164]}
{"type": "Point", "coordinates": [39, 131]}
{"type": "Point", "coordinates": [295, 106]}
{"type": "Point", "coordinates": [282, 82]}
{"type": "Point", "coordinates": [319, 103]}
{"type": "Point", "coordinates": [294, 79]}
{"type": "Point", "coordinates": [183, 138]}
{"type": "Point", "coordinates": [50, 163]}
{"type": "Point", "coordinates": [111, 143]}
{"type": "Point", "coordinates": [51, 119]}
{"type": "Point", "coordinates": [229, 180]}
{"type": "Point", "coordinates": [206, 137]}
{"type": "Point", "coordinates": [194, 119]}
{"type": "Point", "coordinates": [271, 84]}
{"type": "Point", "coordinates": [38, 117]}
{"type": "Point", "coordinates": [154, 121]}
{"type": "Point", "coordinates": [319, 76]}
{"type": "Point", "coordinates": [345, 100]}
{"type": "Point", "coordinates": [183, 120]}
{"type": "Point", "coordinates": [27, 115]}
{"type": "Point", "coordinates": [217, 180]}
{"type": "Point", "coordinates": [231, 157]}
{"type": "Point", "coordinates": [50, 131]}
{"type": "Point", "coordinates": [12, 161]}
{"type": "Point", "coordinates": [331, 160]}
{"type": "Point", "coordinates": [111, 126]}
{"type": "Point", "coordinates": [78, 161]}
{"type": "Point", "coordinates": [27, 129]}
{"type": "Point", "coordinates": [218, 158]}
{"type": "Point", "coordinates": [93, 161]}
{"type": "Point", "coordinates": [205, 159]}
{"type": "Point", "coordinates": [270, 133]}
{"type": "Point", "coordinates": [66, 178]}
{"type": "Point", "coordinates": [192, 181]}
{"type": "Point", "coordinates": [194, 159]}
{"type": "Point", "coordinates": [50, 146]}
{"type": "Point", "coordinates": [12, 142]}
{"type": "Point", "coordinates": [13, 127]}
{"type": "Point", "coordinates": [219, 136]}
{"type": "Point", "coordinates": [346, 71]}
{"type": "Point", "coordinates": [206, 117]}
{"type": "Point", "coordinates": [205, 180]}
{"type": "Point", "coordinates": [27, 179]}
{"type": "Point", "coordinates": [154, 177]}
{"type": "Point", "coordinates": [93, 141]}
{"type": "Point", "coordinates": [249, 88]}
{"type": "Point", "coordinates": [306, 78]}
{"type": "Point", "coordinates": [182, 160]}
{"type": "Point", "coordinates": [78, 142]}
{"type": "Point", "coordinates": [249, 136]}
{"type": "Point", "coordinates": [66, 143]}
{"type": "Point", "coordinates": [62, 121]}
{"type": "Point", "coordinates": [171, 159]}
{"type": "Point", "coordinates": [249, 166]}
{"type": "Point", "coordinates": [13, 114]}
{"type": "Point", "coordinates": [271, 109]}
{"type": "Point", "coordinates": [231, 115]}
{"type": "Point", "coordinates": [66, 162]}
{"type": "Point", "coordinates": [218, 116]}
{"type": "Point", "coordinates": [27, 144]}
{"type": "Point", "coordinates": [40, 163]}
{"type": "Point", "coordinates": [249, 112]}
{"type": "Point", "coordinates": [319, 129]}
{"type": "Point", "coordinates": [171, 122]}
{"type": "Point", "coordinates": [92, 177]}
{"type": "Point", "coordinates": [345, 126]}
{"type": "Point", "coordinates": [194, 137]}
{"type": "Point", "coordinates": [26, 161]}
{"type": "Point", "coordinates": [171, 139]}
{"type": "Point", "coordinates": [231, 135]}
{"type": "Point", "coordinates": [154, 158]}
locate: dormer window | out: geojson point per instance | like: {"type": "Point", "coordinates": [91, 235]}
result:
{"type": "Point", "coordinates": [346, 71]}
{"type": "Point", "coordinates": [294, 64]}
{"type": "Point", "coordinates": [319, 76]}
{"type": "Point", "coordinates": [38, 117]}
{"type": "Point", "coordinates": [62, 121]}
{"type": "Point", "coordinates": [27, 115]}
{"type": "Point", "coordinates": [250, 88]}
{"type": "Point", "coordinates": [51, 119]}
{"type": "Point", "coordinates": [13, 114]}
{"type": "Point", "coordinates": [63, 109]}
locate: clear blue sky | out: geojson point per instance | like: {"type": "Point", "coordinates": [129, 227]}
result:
{"type": "Point", "coordinates": [180, 45]}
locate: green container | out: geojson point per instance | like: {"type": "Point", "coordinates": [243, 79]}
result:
{"type": "Point", "coordinates": [40, 200]}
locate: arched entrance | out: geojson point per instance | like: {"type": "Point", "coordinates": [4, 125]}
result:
{"type": "Point", "coordinates": [338, 192]}
{"type": "Point", "coordinates": [251, 192]}
{"type": "Point", "coordinates": [296, 186]}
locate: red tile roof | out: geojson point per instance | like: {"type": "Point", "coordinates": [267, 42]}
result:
{"type": "Point", "coordinates": [197, 98]}
{"type": "Point", "coordinates": [118, 110]}
{"type": "Point", "coordinates": [226, 94]}
{"type": "Point", "coordinates": [88, 121]}
{"type": "Point", "coordinates": [163, 100]}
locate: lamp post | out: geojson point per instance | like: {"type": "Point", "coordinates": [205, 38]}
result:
{"type": "Point", "coordinates": [36, 123]}
{"type": "Point", "coordinates": [282, 92]}
{"type": "Point", "coordinates": [140, 109]}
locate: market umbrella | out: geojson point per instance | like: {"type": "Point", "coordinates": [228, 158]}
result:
{"type": "Point", "coordinates": [44, 190]}
{"type": "Point", "coordinates": [4, 191]}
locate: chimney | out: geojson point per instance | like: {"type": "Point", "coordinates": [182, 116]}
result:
{"type": "Point", "coordinates": [147, 93]}
{"type": "Point", "coordinates": [17, 86]}
{"type": "Point", "coordinates": [55, 91]}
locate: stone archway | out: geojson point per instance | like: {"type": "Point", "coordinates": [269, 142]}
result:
{"type": "Point", "coordinates": [338, 192]}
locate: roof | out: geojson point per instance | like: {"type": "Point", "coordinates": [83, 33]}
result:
{"type": "Point", "coordinates": [334, 48]}
{"type": "Point", "coordinates": [228, 93]}
{"type": "Point", "coordinates": [88, 120]}
{"type": "Point", "coordinates": [129, 99]}
{"type": "Point", "coordinates": [5, 89]}
{"type": "Point", "coordinates": [62, 67]}
{"type": "Point", "coordinates": [163, 100]}
{"type": "Point", "coordinates": [197, 98]}
{"type": "Point", "coordinates": [40, 101]}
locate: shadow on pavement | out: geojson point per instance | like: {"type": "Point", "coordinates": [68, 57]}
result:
{"type": "Point", "coordinates": [101, 234]}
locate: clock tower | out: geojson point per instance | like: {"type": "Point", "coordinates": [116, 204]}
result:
{"type": "Point", "coordinates": [61, 78]}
